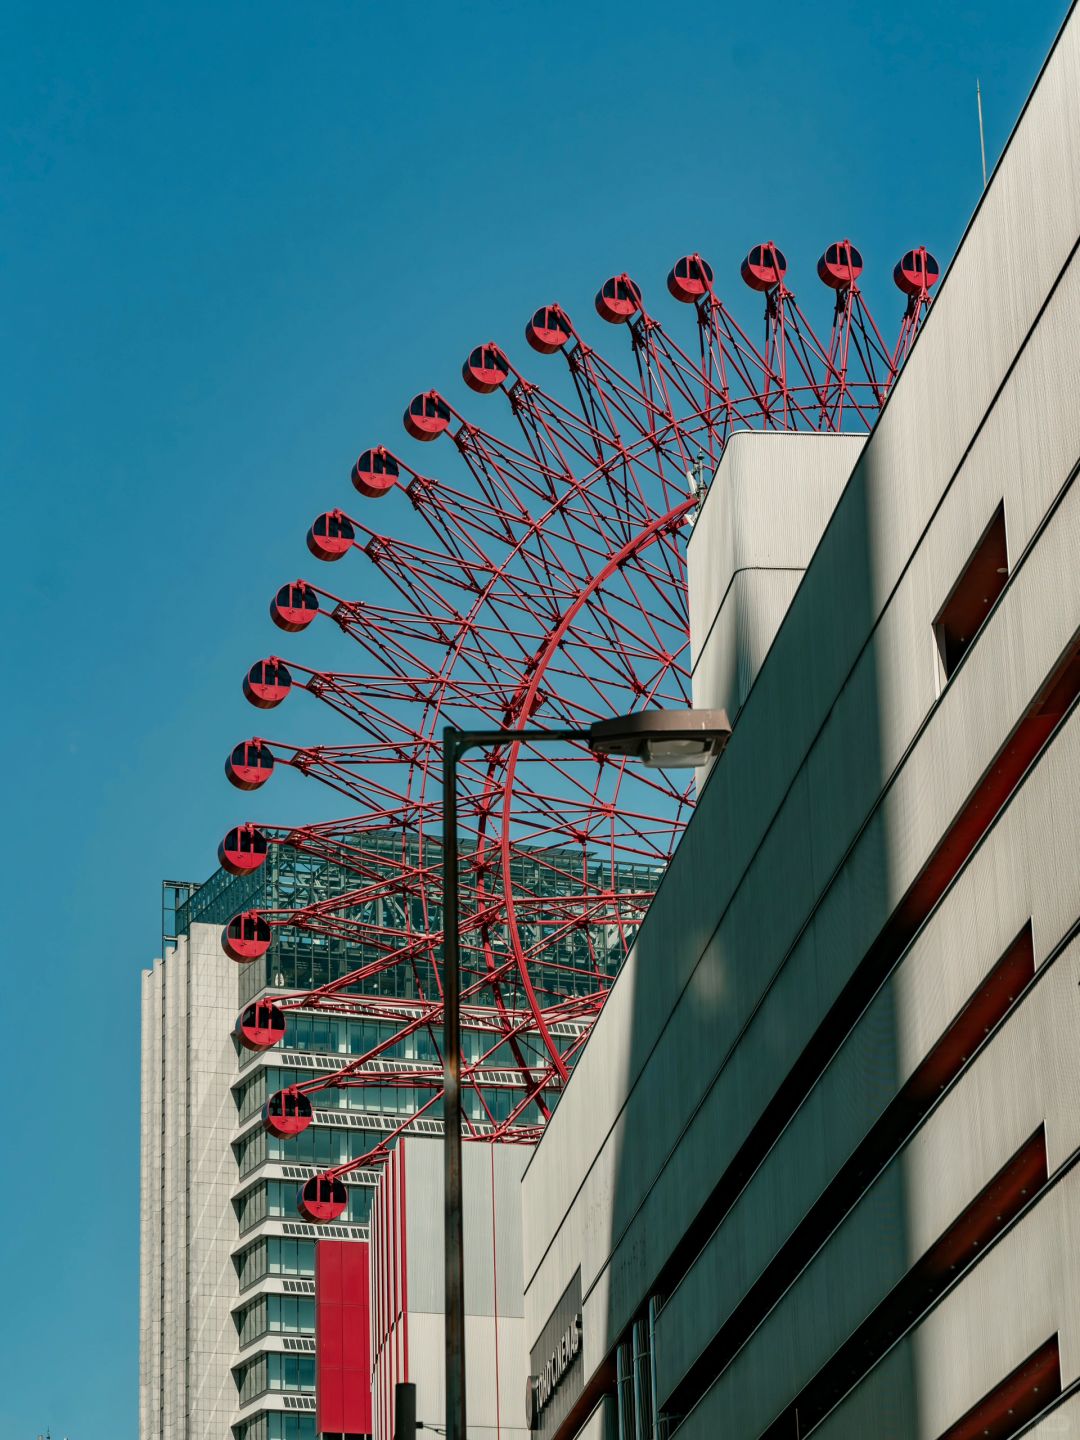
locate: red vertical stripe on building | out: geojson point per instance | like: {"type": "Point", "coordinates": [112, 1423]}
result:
{"type": "Point", "coordinates": [342, 1338]}
{"type": "Point", "coordinates": [404, 1268]}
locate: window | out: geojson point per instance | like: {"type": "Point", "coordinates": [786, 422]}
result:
{"type": "Point", "coordinates": [981, 582]}
{"type": "Point", "coordinates": [275, 1372]}
{"type": "Point", "coordinates": [636, 1381]}
{"type": "Point", "coordinates": [272, 1425]}
{"type": "Point", "coordinates": [276, 1200]}
{"type": "Point", "coordinates": [275, 1255]}
{"type": "Point", "coordinates": [276, 1315]}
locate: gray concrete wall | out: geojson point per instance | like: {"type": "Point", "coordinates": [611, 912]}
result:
{"type": "Point", "coordinates": [758, 526]}
{"type": "Point", "coordinates": [847, 765]}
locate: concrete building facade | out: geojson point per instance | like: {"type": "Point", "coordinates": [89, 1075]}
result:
{"type": "Point", "coordinates": [815, 1172]}
{"type": "Point", "coordinates": [188, 1176]}
{"type": "Point", "coordinates": [408, 1336]}
{"type": "Point", "coordinates": [235, 1337]}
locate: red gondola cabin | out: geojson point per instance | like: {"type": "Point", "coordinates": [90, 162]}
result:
{"type": "Point", "coordinates": [840, 266]}
{"type": "Point", "coordinates": [549, 329]}
{"type": "Point", "coordinates": [765, 267]}
{"type": "Point", "coordinates": [916, 271]}
{"type": "Point", "coordinates": [250, 765]}
{"type": "Point", "coordinates": [246, 937]}
{"type": "Point", "coordinates": [427, 416]}
{"type": "Point", "coordinates": [259, 1025]}
{"type": "Point", "coordinates": [322, 1198]}
{"type": "Point", "coordinates": [376, 473]}
{"type": "Point", "coordinates": [486, 369]}
{"type": "Point", "coordinates": [286, 1113]}
{"type": "Point", "coordinates": [243, 850]}
{"type": "Point", "coordinates": [690, 278]}
{"type": "Point", "coordinates": [618, 299]}
{"type": "Point", "coordinates": [267, 683]}
{"type": "Point", "coordinates": [294, 606]}
{"type": "Point", "coordinates": [331, 536]}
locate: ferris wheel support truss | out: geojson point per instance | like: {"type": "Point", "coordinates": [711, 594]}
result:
{"type": "Point", "coordinates": [543, 587]}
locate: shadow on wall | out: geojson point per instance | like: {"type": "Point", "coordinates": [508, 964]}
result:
{"type": "Point", "coordinates": [752, 1089]}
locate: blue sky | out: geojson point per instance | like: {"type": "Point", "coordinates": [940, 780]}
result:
{"type": "Point", "coordinates": [238, 239]}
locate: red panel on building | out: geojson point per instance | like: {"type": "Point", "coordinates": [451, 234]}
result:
{"type": "Point", "coordinates": [342, 1338]}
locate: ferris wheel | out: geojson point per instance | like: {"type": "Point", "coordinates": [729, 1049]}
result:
{"type": "Point", "coordinates": [540, 583]}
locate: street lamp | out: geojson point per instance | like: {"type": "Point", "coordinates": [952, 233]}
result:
{"type": "Point", "coordinates": [660, 739]}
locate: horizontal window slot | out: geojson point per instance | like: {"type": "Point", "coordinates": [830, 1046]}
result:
{"type": "Point", "coordinates": [995, 1207]}
{"type": "Point", "coordinates": [1017, 1400]}
{"type": "Point", "coordinates": [984, 804]}
{"type": "Point", "coordinates": [986, 1008]}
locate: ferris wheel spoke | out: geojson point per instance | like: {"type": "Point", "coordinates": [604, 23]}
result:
{"type": "Point", "coordinates": [541, 582]}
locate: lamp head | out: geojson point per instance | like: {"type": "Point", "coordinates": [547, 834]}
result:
{"type": "Point", "coordinates": [663, 739]}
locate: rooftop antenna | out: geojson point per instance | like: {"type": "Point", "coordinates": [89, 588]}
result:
{"type": "Point", "coordinates": [695, 480]}
{"type": "Point", "coordinates": [982, 137]}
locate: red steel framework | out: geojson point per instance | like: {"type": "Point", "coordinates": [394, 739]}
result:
{"type": "Point", "coordinates": [544, 586]}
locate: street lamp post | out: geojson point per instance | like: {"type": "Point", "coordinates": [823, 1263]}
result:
{"type": "Point", "coordinates": [661, 739]}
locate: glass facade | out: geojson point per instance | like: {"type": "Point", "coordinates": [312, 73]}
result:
{"type": "Point", "coordinates": [276, 1200]}
{"type": "Point", "coordinates": [274, 1371]}
{"type": "Point", "coordinates": [276, 1315]}
{"type": "Point", "coordinates": [273, 1425]}
{"type": "Point", "coordinates": [389, 1099]}
{"type": "Point", "coordinates": [275, 1255]}
{"type": "Point", "coordinates": [299, 961]}
{"type": "Point", "coordinates": [315, 1146]}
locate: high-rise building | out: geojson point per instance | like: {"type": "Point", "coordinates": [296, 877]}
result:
{"type": "Point", "coordinates": [229, 1323]}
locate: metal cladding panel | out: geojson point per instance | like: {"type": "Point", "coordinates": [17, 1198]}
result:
{"type": "Point", "coordinates": [494, 1375]}
{"type": "Point", "coordinates": [1061, 1424]}
{"type": "Point", "coordinates": [342, 1338]}
{"type": "Point", "coordinates": [1025, 1077]}
{"type": "Point", "coordinates": [1021, 871]}
{"type": "Point", "coordinates": [1023, 1291]}
{"type": "Point", "coordinates": [407, 1231]}
{"type": "Point", "coordinates": [150, 1216]}
{"type": "Point", "coordinates": [985, 408]}
{"type": "Point", "coordinates": [187, 1338]}
{"type": "Point", "coordinates": [390, 1337]}
{"type": "Point", "coordinates": [1022, 640]}
{"type": "Point", "coordinates": [491, 1182]}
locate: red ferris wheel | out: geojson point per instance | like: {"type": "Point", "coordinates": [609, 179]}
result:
{"type": "Point", "coordinates": [543, 585]}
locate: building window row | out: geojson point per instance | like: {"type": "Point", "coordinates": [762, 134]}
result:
{"type": "Point", "coordinates": [275, 1255]}
{"type": "Point", "coordinates": [316, 1146]}
{"type": "Point", "coordinates": [275, 1315]}
{"type": "Point", "coordinates": [276, 1200]}
{"type": "Point", "coordinates": [388, 1099]}
{"type": "Point", "coordinates": [334, 1035]}
{"type": "Point", "coordinates": [275, 1372]}
{"type": "Point", "coordinates": [635, 1393]}
{"type": "Point", "coordinates": [274, 1425]}
{"type": "Point", "coordinates": [300, 961]}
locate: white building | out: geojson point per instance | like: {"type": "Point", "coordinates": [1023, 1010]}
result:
{"type": "Point", "coordinates": [228, 1313]}
{"type": "Point", "coordinates": [814, 1173]}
